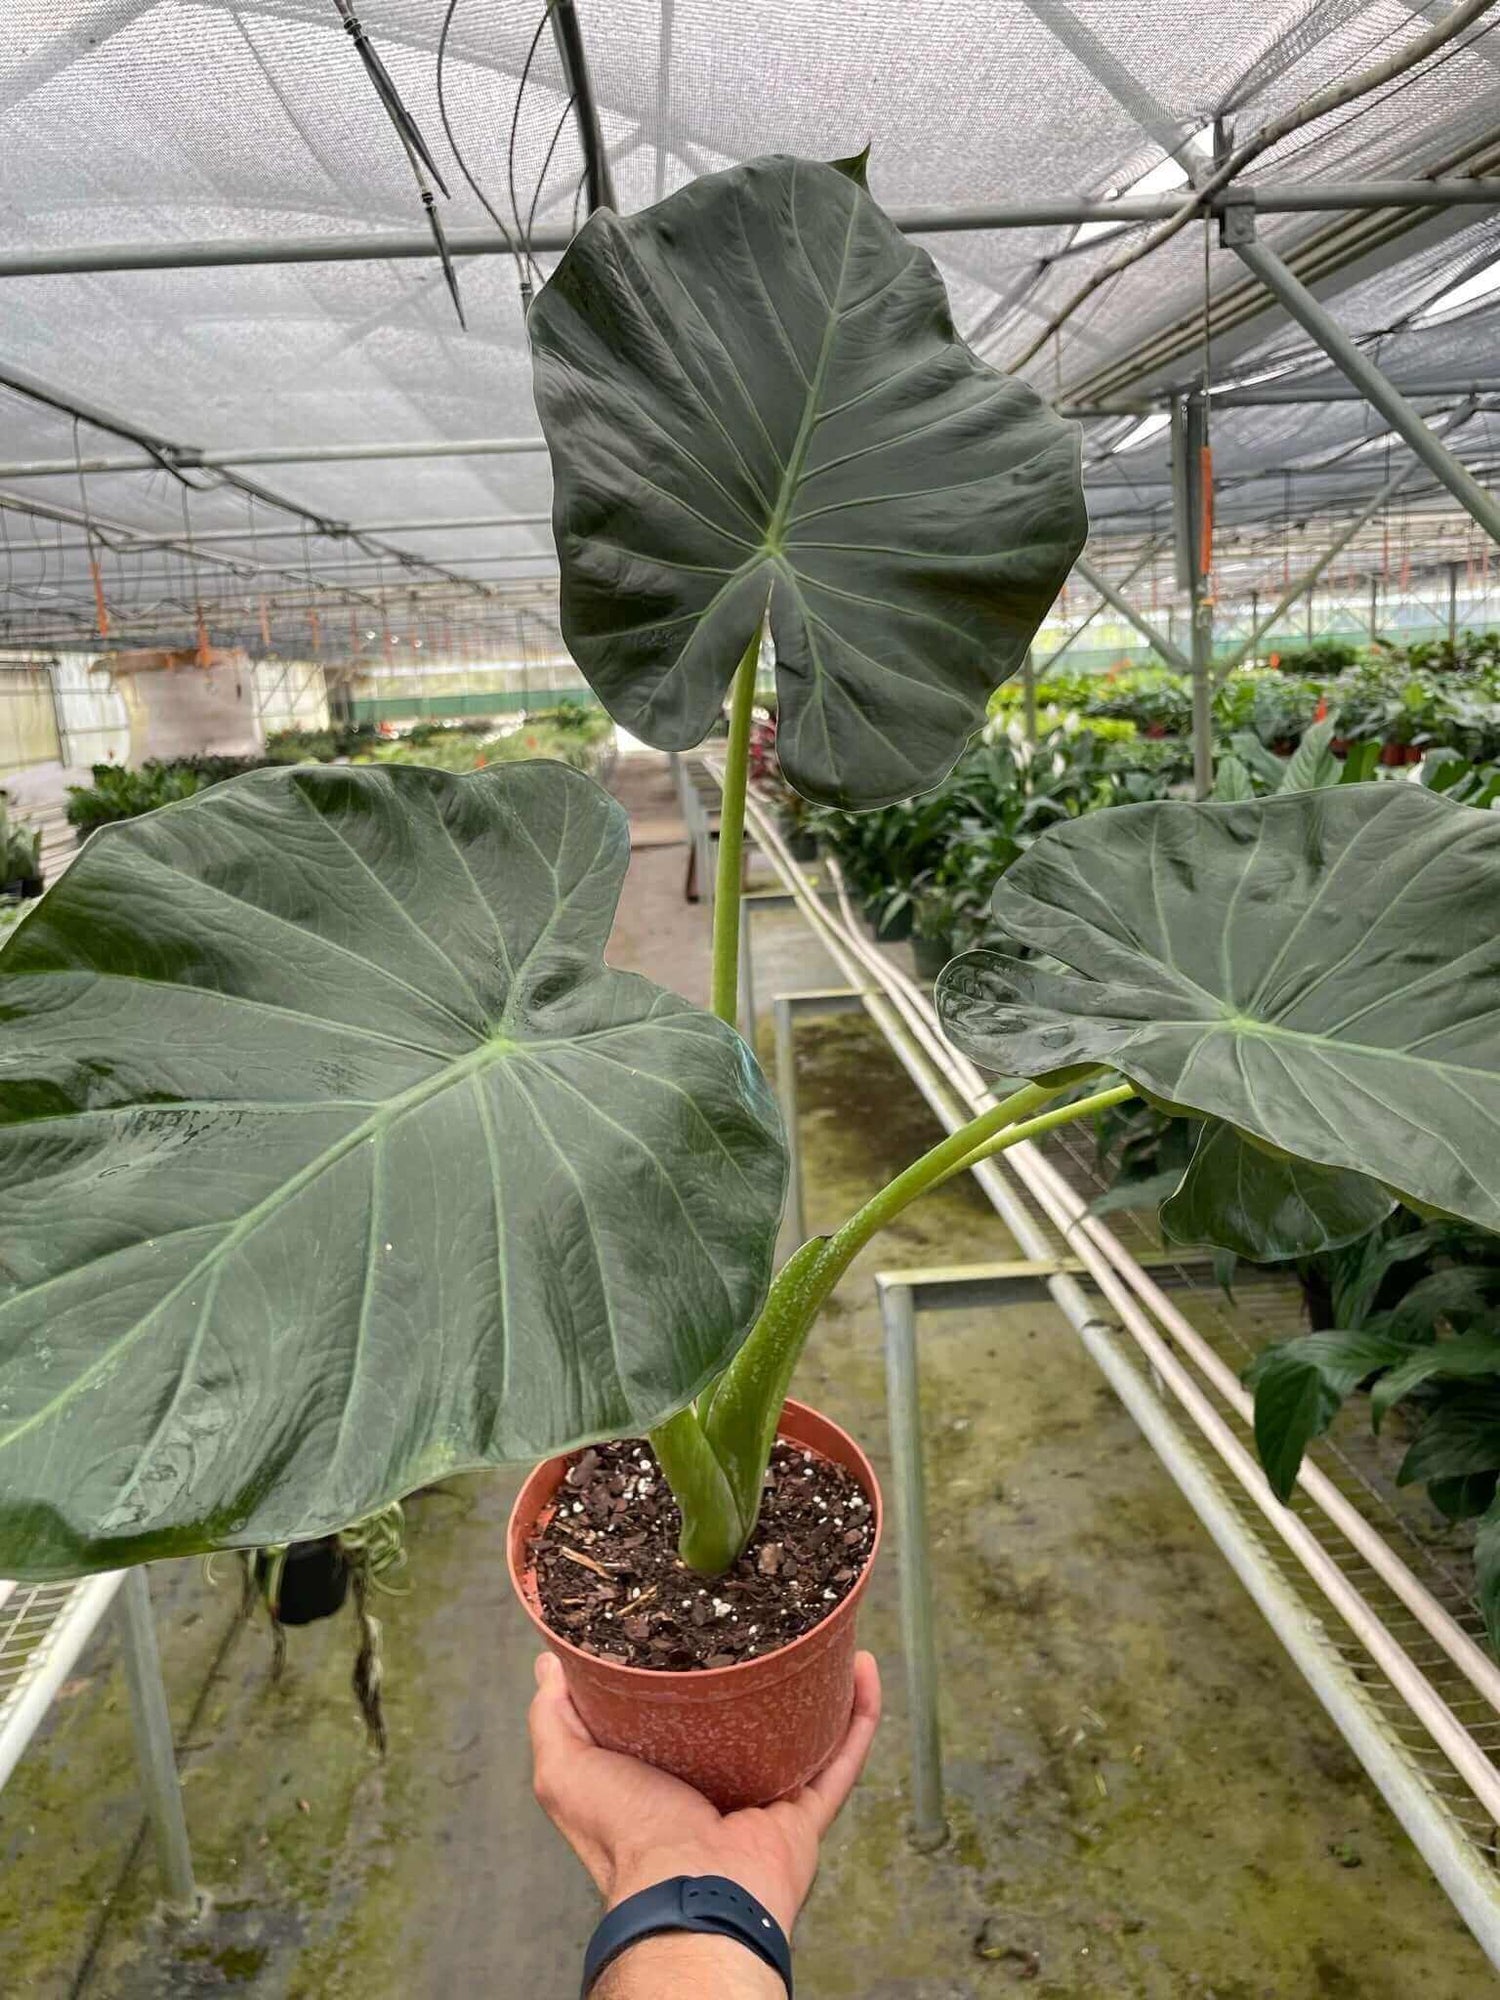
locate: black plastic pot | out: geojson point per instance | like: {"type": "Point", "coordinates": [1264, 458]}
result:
{"type": "Point", "coordinates": [891, 930]}
{"type": "Point", "coordinates": [931, 954]}
{"type": "Point", "coordinates": [802, 846]}
{"type": "Point", "coordinates": [314, 1581]}
{"type": "Point", "coordinates": [25, 887]}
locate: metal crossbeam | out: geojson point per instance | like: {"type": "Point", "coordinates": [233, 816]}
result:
{"type": "Point", "coordinates": [1096, 580]}
{"type": "Point", "coordinates": [256, 454]}
{"type": "Point", "coordinates": [1238, 234]}
{"type": "Point", "coordinates": [1269, 199]}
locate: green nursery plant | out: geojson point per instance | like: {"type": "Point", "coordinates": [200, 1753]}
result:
{"type": "Point", "coordinates": [1409, 1316]}
{"type": "Point", "coordinates": [20, 848]}
{"type": "Point", "coordinates": [334, 1157]}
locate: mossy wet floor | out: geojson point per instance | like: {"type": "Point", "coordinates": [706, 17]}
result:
{"type": "Point", "coordinates": [1145, 1799]}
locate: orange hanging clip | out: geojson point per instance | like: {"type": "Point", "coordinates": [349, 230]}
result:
{"type": "Point", "coordinates": [1206, 510]}
{"type": "Point", "coordinates": [101, 609]}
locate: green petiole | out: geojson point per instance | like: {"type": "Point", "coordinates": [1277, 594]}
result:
{"type": "Point", "coordinates": [715, 1456]}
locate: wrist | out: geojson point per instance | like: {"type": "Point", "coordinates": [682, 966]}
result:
{"type": "Point", "coordinates": [659, 1864]}
{"type": "Point", "coordinates": [682, 1967]}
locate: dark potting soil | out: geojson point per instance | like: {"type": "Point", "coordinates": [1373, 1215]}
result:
{"type": "Point", "coordinates": [609, 1579]}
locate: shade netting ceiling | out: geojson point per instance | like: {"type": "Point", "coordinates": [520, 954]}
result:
{"type": "Point", "coordinates": [172, 122]}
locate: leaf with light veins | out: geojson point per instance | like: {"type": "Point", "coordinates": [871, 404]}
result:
{"type": "Point", "coordinates": [754, 395]}
{"type": "Point", "coordinates": [333, 1159]}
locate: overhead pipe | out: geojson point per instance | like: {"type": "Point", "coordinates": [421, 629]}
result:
{"type": "Point", "coordinates": [376, 247]}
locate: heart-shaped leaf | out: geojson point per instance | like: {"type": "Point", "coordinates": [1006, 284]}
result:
{"type": "Point", "coordinates": [753, 393]}
{"type": "Point", "coordinates": [1232, 780]}
{"type": "Point", "coordinates": [333, 1159]}
{"type": "Point", "coordinates": [1321, 969]}
{"type": "Point", "coordinates": [1241, 1198]}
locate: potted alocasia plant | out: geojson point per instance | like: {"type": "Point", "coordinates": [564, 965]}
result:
{"type": "Point", "coordinates": [333, 1157]}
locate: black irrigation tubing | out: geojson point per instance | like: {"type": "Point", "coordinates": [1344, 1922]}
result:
{"type": "Point", "coordinates": [406, 126]}
{"type": "Point", "coordinates": [546, 165]}
{"type": "Point", "coordinates": [510, 152]}
{"type": "Point", "coordinates": [463, 166]}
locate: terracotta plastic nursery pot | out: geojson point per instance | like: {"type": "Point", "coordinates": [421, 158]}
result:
{"type": "Point", "coordinates": [743, 1735]}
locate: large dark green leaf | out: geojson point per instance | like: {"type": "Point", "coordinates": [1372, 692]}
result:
{"type": "Point", "coordinates": [1299, 1389]}
{"type": "Point", "coordinates": [1464, 1358]}
{"type": "Point", "coordinates": [1241, 1198]}
{"type": "Point", "coordinates": [332, 1158]}
{"type": "Point", "coordinates": [754, 392]}
{"type": "Point", "coordinates": [1322, 970]}
{"type": "Point", "coordinates": [1460, 1439]}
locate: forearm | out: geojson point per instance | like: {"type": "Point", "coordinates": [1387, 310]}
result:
{"type": "Point", "coordinates": [683, 1967]}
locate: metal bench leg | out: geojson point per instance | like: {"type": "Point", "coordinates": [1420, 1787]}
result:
{"type": "Point", "coordinates": [153, 1746]}
{"type": "Point", "coordinates": [904, 1414]}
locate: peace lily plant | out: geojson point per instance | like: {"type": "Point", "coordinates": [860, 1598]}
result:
{"type": "Point", "coordinates": [334, 1158]}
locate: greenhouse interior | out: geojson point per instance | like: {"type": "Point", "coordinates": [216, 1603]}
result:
{"type": "Point", "coordinates": [750, 974]}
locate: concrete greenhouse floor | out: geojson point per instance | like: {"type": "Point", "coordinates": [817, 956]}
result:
{"type": "Point", "coordinates": [1146, 1801]}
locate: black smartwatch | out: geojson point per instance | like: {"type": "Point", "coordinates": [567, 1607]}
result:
{"type": "Point", "coordinates": [707, 1904]}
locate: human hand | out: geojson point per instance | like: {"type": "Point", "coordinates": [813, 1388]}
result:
{"type": "Point", "coordinates": [632, 1826]}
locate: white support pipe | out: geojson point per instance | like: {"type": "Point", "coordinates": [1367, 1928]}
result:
{"type": "Point", "coordinates": [52, 1662]}
{"type": "Point", "coordinates": [1158, 641]}
{"type": "Point", "coordinates": [1074, 1221]}
{"type": "Point", "coordinates": [291, 454]}
{"type": "Point", "coordinates": [1465, 1878]}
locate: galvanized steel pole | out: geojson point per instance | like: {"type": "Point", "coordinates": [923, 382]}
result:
{"type": "Point", "coordinates": [1314, 318]}
{"type": "Point", "coordinates": [909, 1492]}
{"type": "Point", "coordinates": [1269, 199]}
{"type": "Point", "coordinates": [153, 1736]}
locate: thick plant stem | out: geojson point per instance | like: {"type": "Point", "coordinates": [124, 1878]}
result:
{"type": "Point", "coordinates": [715, 1456]}
{"type": "Point", "coordinates": [739, 1418]}
{"type": "Point", "coordinates": [725, 988]}
{"type": "Point", "coordinates": [713, 1528]}
{"type": "Point", "coordinates": [741, 1413]}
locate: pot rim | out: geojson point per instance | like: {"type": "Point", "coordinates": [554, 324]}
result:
{"type": "Point", "coordinates": [699, 1677]}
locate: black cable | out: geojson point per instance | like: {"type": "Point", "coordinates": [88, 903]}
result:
{"type": "Point", "coordinates": [510, 151]}
{"type": "Point", "coordinates": [511, 244]}
{"type": "Point", "coordinates": [546, 164]}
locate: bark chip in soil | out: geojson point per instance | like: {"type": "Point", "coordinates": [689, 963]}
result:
{"type": "Point", "coordinates": [609, 1580]}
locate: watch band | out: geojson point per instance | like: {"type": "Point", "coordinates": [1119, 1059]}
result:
{"type": "Point", "coordinates": [709, 1905]}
